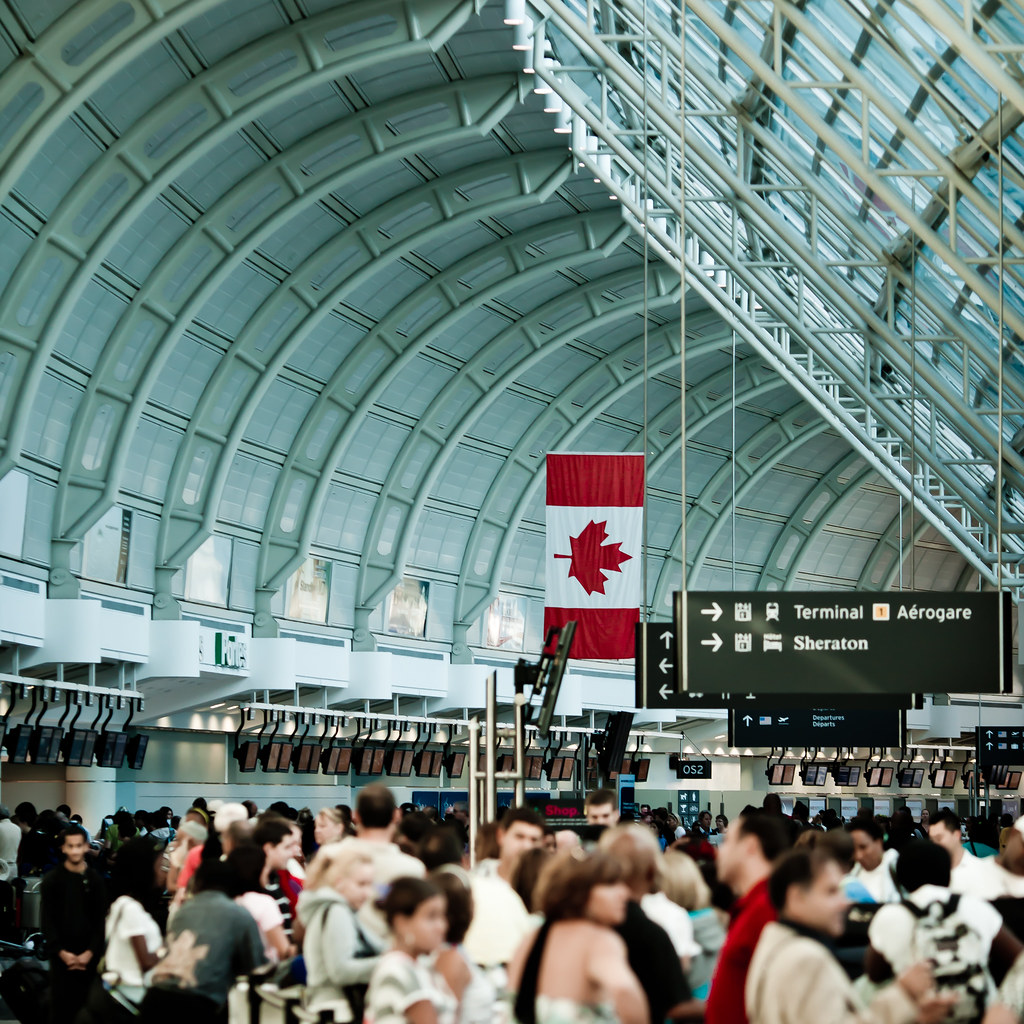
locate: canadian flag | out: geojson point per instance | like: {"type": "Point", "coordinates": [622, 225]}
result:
{"type": "Point", "coordinates": [594, 532]}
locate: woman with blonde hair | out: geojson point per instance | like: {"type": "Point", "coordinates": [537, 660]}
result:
{"type": "Point", "coordinates": [683, 883]}
{"type": "Point", "coordinates": [574, 968]}
{"type": "Point", "coordinates": [328, 826]}
{"type": "Point", "coordinates": [340, 956]}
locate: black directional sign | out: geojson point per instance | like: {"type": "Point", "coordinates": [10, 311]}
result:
{"type": "Point", "coordinates": [852, 642]}
{"type": "Point", "coordinates": [999, 745]}
{"type": "Point", "coordinates": [656, 680]}
{"type": "Point", "coordinates": [821, 727]}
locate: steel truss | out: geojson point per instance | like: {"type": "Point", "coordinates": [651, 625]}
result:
{"type": "Point", "coordinates": [867, 266]}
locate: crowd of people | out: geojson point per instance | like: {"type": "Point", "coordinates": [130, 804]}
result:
{"type": "Point", "coordinates": [376, 915]}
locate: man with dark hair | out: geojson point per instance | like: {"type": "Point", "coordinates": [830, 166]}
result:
{"type": "Point", "coordinates": [210, 942]}
{"type": "Point", "coordinates": [493, 937]}
{"type": "Point", "coordinates": [73, 908]}
{"type": "Point", "coordinates": [962, 935]}
{"type": "Point", "coordinates": [969, 875]}
{"type": "Point", "coordinates": [752, 842]}
{"type": "Point", "coordinates": [376, 818]}
{"type": "Point", "coordinates": [793, 974]}
{"type": "Point", "coordinates": [875, 864]}
{"type": "Point", "coordinates": [602, 807]}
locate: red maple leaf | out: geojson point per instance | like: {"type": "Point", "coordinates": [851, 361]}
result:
{"type": "Point", "coordinates": [591, 556]}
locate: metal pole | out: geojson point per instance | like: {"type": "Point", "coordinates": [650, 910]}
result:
{"type": "Point", "coordinates": [474, 792]}
{"type": "Point", "coordinates": [490, 749]}
{"type": "Point", "coordinates": [520, 747]}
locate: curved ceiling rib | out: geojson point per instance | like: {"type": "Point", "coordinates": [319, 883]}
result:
{"type": "Point", "coordinates": [302, 487]}
{"type": "Point", "coordinates": [474, 389]}
{"type": "Point", "coordinates": [137, 167]}
{"type": "Point", "coordinates": [298, 177]}
{"type": "Point", "coordinates": [350, 259]}
{"type": "Point", "coordinates": [70, 61]}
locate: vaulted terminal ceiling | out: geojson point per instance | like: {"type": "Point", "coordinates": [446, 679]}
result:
{"type": "Point", "coordinates": [324, 278]}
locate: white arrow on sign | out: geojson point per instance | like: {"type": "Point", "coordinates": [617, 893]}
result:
{"type": "Point", "coordinates": [665, 691]}
{"type": "Point", "coordinates": [989, 734]}
{"type": "Point", "coordinates": [715, 611]}
{"type": "Point", "coordinates": [714, 643]}
{"type": "Point", "coordinates": [664, 665]}
{"type": "Point", "coordinates": [747, 719]}
{"type": "Point", "coordinates": [667, 638]}
{"type": "Point", "coordinates": [988, 746]}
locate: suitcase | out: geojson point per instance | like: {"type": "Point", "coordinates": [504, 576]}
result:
{"type": "Point", "coordinates": [30, 904]}
{"type": "Point", "coordinates": [24, 987]}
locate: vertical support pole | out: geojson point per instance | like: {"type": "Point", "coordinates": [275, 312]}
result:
{"type": "Point", "coordinates": [491, 749]}
{"type": "Point", "coordinates": [520, 749]}
{"type": "Point", "coordinates": [474, 788]}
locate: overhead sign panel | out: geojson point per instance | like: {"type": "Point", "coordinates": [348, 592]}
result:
{"type": "Point", "coordinates": [999, 745]}
{"type": "Point", "coordinates": [657, 680]}
{"type": "Point", "coordinates": [817, 727]}
{"type": "Point", "coordinates": [848, 642]}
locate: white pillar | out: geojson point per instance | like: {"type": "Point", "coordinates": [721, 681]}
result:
{"type": "Point", "coordinates": [92, 793]}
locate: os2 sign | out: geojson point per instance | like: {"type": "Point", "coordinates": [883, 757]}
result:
{"type": "Point", "coordinates": [693, 769]}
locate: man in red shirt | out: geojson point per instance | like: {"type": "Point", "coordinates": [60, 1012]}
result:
{"type": "Point", "coordinates": [752, 843]}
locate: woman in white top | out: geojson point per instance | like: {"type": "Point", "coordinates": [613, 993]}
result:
{"type": "Point", "coordinates": [133, 935]}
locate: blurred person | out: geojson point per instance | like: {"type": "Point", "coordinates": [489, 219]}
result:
{"type": "Point", "coordinates": [474, 991]}
{"type": "Point", "coordinates": [602, 807]}
{"type": "Point", "coordinates": [959, 933]}
{"type": "Point", "coordinates": [25, 815]}
{"type": "Point", "coordinates": [72, 913]}
{"type": "Point", "coordinates": [795, 979]}
{"type": "Point", "coordinates": [403, 989]}
{"type": "Point", "coordinates": [340, 954]}
{"type": "Point", "coordinates": [440, 846]}
{"type": "Point", "coordinates": [969, 875]}
{"type": "Point", "coordinates": [376, 817]}
{"type": "Point", "coordinates": [486, 846]}
{"type": "Point", "coordinates": [495, 935]}
{"type": "Point", "coordinates": [410, 832]}
{"type": "Point", "coordinates": [658, 933]}
{"type": "Point", "coordinates": [246, 864]}
{"type": "Point", "coordinates": [225, 816]}
{"type": "Point", "coordinates": [683, 883]}
{"type": "Point", "coordinates": [328, 826]}
{"type": "Point", "coordinates": [839, 845]}
{"type": "Point", "coordinates": [752, 843]}
{"type": "Point", "coordinates": [133, 934]}
{"type": "Point", "coordinates": [275, 837]}
{"type": "Point", "coordinates": [874, 864]}
{"type": "Point", "coordinates": [10, 839]}
{"type": "Point", "coordinates": [526, 872]}
{"type": "Point", "coordinates": [575, 968]}
{"type": "Point", "coordinates": [567, 839]}
{"type": "Point", "coordinates": [191, 831]}
{"type": "Point", "coordinates": [210, 942]}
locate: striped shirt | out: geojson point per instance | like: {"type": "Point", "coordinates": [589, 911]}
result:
{"type": "Point", "coordinates": [399, 982]}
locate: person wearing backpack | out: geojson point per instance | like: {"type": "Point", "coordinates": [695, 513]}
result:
{"type": "Point", "coordinates": [962, 937]}
{"type": "Point", "coordinates": [794, 976]}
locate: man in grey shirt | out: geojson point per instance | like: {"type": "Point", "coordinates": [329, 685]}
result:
{"type": "Point", "coordinates": [210, 942]}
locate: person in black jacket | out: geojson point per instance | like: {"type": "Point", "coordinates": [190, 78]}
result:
{"type": "Point", "coordinates": [73, 909]}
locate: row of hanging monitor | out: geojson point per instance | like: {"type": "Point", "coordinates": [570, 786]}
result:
{"type": "Point", "coordinates": [283, 755]}
{"type": "Point", "coordinates": [999, 776]}
{"type": "Point", "coordinates": [50, 744]}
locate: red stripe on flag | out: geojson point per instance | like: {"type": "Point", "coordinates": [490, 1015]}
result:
{"type": "Point", "coordinates": [600, 632]}
{"type": "Point", "coordinates": [599, 480]}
